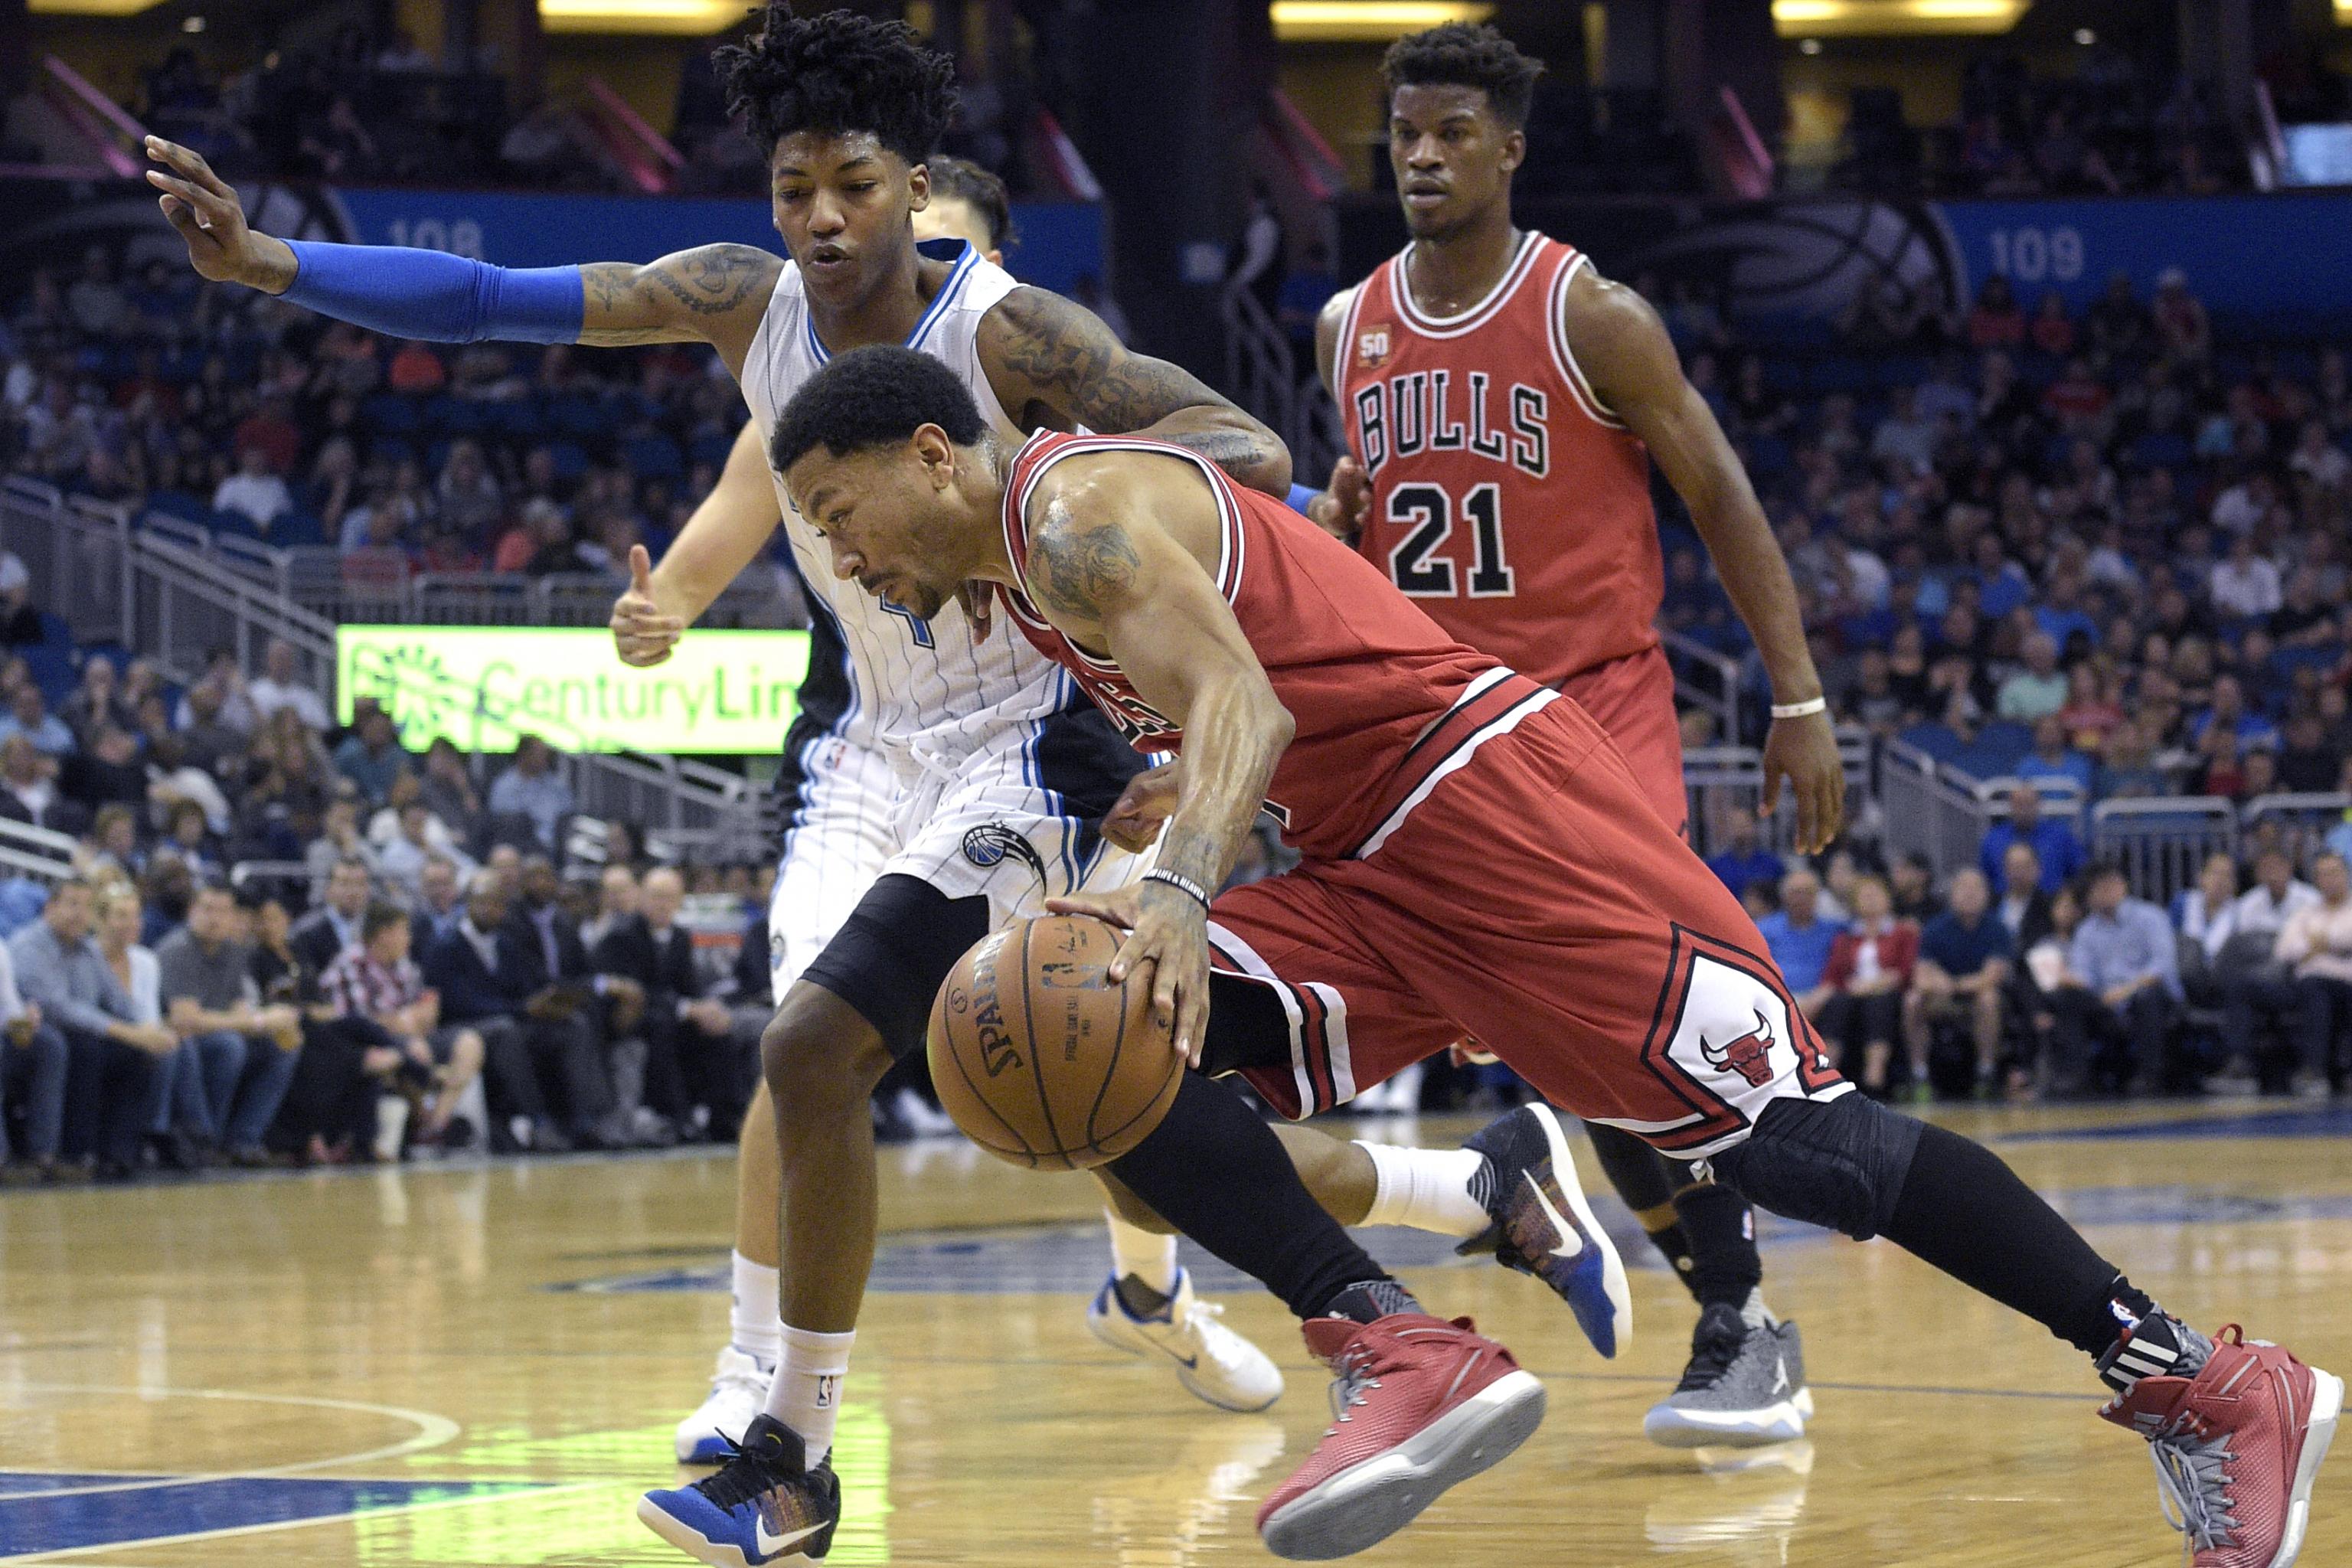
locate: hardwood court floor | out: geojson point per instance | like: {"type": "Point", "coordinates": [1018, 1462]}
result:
{"type": "Point", "coordinates": [482, 1365]}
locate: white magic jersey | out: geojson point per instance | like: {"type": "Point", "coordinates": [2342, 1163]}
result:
{"type": "Point", "coordinates": [925, 687]}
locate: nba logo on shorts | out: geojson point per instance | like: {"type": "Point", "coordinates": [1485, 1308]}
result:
{"type": "Point", "coordinates": [1373, 346]}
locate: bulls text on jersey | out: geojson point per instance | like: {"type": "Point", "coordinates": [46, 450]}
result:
{"type": "Point", "coordinates": [1427, 411]}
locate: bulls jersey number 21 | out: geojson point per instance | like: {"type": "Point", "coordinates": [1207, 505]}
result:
{"type": "Point", "coordinates": [1496, 474]}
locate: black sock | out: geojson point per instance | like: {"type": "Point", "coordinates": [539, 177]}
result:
{"type": "Point", "coordinates": [1372, 1300]}
{"type": "Point", "coordinates": [1216, 1173]}
{"type": "Point", "coordinates": [1726, 1268]}
{"type": "Point", "coordinates": [1965, 1210]}
{"type": "Point", "coordinates": [1675, 1246]}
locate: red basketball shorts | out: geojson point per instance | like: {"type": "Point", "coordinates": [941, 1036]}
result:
{"type": "Point", "coordinates": [1534, 901]}
{"type": "Point", "coordinates": [1634, 699]}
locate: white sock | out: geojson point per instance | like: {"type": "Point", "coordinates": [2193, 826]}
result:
{"type": "Point", "coordinates": [807, 1392]}
{"type": "Point", "coordinates": [1428, 1189]}
{"type": "Point", "coordinates": [753, 1325]}
{"type": "Point", "coordinates": [1147, 1255]}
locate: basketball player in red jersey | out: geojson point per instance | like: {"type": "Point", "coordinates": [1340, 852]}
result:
{"type": "Point", "coordinates": [1501, 403]}
{"type": "Point", "coordinates": [1478, 858]}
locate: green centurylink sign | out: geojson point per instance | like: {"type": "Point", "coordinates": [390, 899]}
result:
{"type": "Point", "coordinates": [483, 687]}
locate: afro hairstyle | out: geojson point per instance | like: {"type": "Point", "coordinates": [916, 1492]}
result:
{"type": "Point", "coordinates": [837, 73]}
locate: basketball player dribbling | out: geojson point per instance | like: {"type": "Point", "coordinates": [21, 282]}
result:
{"type": "Point", "coordinates": [914, 737]}
{"type": "Point", "coordinates": [1501, 403]}
{"type": "Point", "coordinates": [1478, 858]}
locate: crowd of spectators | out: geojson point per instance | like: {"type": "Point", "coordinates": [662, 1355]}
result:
{"type": "Point", "coordinates": [2017, 985]}
{"type": "Point", "coordinates": [233, 410]}
{"type": "Point", "coordinates": [2110, 559]}
{"type": "Point", "coordinates": [282, 942]}
{"type": "Point", "coordinates": [2117, 125]}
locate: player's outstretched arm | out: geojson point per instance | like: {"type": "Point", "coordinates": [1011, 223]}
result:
{"type": "Point", "coordinates": [1108, 565]}
{"type": "Point", "coordinates": [1053, 365]}
{"type": "Point", "coordinates": [1624, 349]}
{"type": "Point", "coordinates": [726, 532]}
{"type": "Point", "coordinates": [714, 294]}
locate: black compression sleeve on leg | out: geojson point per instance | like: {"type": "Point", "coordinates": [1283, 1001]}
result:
{"type": "Point", "coordinates": [1726, 1268]}
{"type": "Point", "coordinates": [1638, 1173]}
{"type": "Point", "coordinates": [1218, 1173]}
{"type": "Point", "coordinates": [1647, 1180]}
{"type": "Point", "coordinates": [1965, 1210]}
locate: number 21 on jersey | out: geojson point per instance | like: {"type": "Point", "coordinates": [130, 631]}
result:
{"type": "Point", "coordinates": [1429, 512]}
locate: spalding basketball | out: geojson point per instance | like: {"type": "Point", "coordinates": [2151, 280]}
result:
{"type": "Point", "coordinates": [1040, 1057]}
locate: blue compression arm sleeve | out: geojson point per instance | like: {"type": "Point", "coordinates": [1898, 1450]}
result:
{"type": "Point", "coordinates": [1300, 495]}
{"type": "Point", "coordinates": [407, 293]}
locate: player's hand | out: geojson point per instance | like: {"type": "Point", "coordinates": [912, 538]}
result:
{"type": "Point", "coordinates": [1804, 751]}
{"type": "Point", "coordinates": [979, 602]}
{"type": "Point", "coordinates": [1167, 944]}
{"type": "Point", "coordinates": [1134, 819]}
{"type": "Point", "coordinates": [1346, 504]}
{"type": "Point", "coordinates": [204, 208]}
{"type": "Point", "coordinates": [641, 632]}
{"type": "Point", "coordinates": [1466, 1052]}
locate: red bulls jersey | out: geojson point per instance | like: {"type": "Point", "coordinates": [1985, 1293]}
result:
{"type": "Point", "coordinates": [1386, 704]}
{"type": "Point", "coordinates": [1507, 502]}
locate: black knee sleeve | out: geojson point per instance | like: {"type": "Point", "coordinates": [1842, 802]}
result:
{"type": "Point", "coordinates": [1638, 1173]}
{"type": "Point", "coordinates": [1839, 1163]}
{"type": "Point", "coordinates": [891, 954]}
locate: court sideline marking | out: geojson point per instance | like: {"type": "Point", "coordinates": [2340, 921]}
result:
{"type": "Point", "coordinates": [433, 1432]}
{"type": "Point", "coordinates": [145, 1542]}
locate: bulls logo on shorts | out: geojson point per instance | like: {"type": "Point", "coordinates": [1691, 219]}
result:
{"type": "Point", "coordinates": [987, 846]}
{"type": "Point", "coordinates": [1727, 1041]}
{"type": "Point", "coordinates": [1750, 1056]}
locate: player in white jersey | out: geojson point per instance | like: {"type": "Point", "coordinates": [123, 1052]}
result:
{"type": "Point", "coordinates": [853, 819]}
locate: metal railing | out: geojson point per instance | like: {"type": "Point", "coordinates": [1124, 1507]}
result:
{"type": "Point", "coordinates": [170, 592]}
{"type": "Point", "coordinates": [2298, 824]}
{"type": "Point", "coordinates": [1261, 372]}
{"type": "Point", "coordinates": [40, 853]}
{"type": "Point", "coordinates": [2162, 843]}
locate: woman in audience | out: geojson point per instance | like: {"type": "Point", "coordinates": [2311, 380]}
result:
{"type": "Point", "coordinates": [1869, 969]}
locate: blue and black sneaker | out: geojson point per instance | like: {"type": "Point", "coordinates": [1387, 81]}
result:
{"type": "Point", "coordinates": [1543, 1226]}
{"type": "Point", "coordinates": [766, 1506]}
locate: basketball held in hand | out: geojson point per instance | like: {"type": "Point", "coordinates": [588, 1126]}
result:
{"type": "Point", "coordinates": [1042, 1058]}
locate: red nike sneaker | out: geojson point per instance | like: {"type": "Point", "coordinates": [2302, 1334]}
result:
{"type": "Point", "coordinates": [1422, 1405]}
{"type": "Point", "coordinates": [2236, 1448]}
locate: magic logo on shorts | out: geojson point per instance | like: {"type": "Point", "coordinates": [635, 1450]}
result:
{"type": "Point", "coordinates": [988, 844]}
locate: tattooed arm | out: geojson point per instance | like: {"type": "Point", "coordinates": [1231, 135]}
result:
{"type": "Point", "coordinates": [1116, 543]}
{"type": "Point", "coordinates": [1055, 365]}
{"type": "Point", "coordinates": [713, 294]}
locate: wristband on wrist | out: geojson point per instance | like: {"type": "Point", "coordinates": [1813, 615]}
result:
{"type": "Point", "coordinates": [1181, 883]}
{"type": "Point", "coordinates": [1800, 709]}
{"type": "Point", "coordinates": [1302, 497]}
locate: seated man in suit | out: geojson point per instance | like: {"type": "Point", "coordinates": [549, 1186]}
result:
{"type": "Point", "coordinates": [536, 1032]}
{"type": "Point", "coordinates": [321, 936]}
{"type": "Point", "coordinates": [695, 1075]}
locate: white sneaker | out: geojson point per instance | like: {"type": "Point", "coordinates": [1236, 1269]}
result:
{"type": "Point", "coordinates": [1212, 1360]}
{"type": "Point", "coordinates": [738, 1392]}
{"type": "Point", "coordinates": [918, 1115]}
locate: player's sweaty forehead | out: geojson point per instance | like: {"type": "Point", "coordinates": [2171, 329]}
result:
{"type": "Point", "coordinates": [1421, 108]}
{"type": "Point", "coordinates": [834, 154]}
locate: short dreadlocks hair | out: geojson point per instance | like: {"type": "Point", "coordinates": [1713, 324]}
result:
{"type": "Point", "coordinates": [837, 73]}
{"type": "Point", "coordinates": [1462, 55]}
{"type": "Point", "coordinates": [968, 182]}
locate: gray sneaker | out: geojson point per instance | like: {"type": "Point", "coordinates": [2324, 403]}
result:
{"type": "Point", "coordinates": [1745, 1387]}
